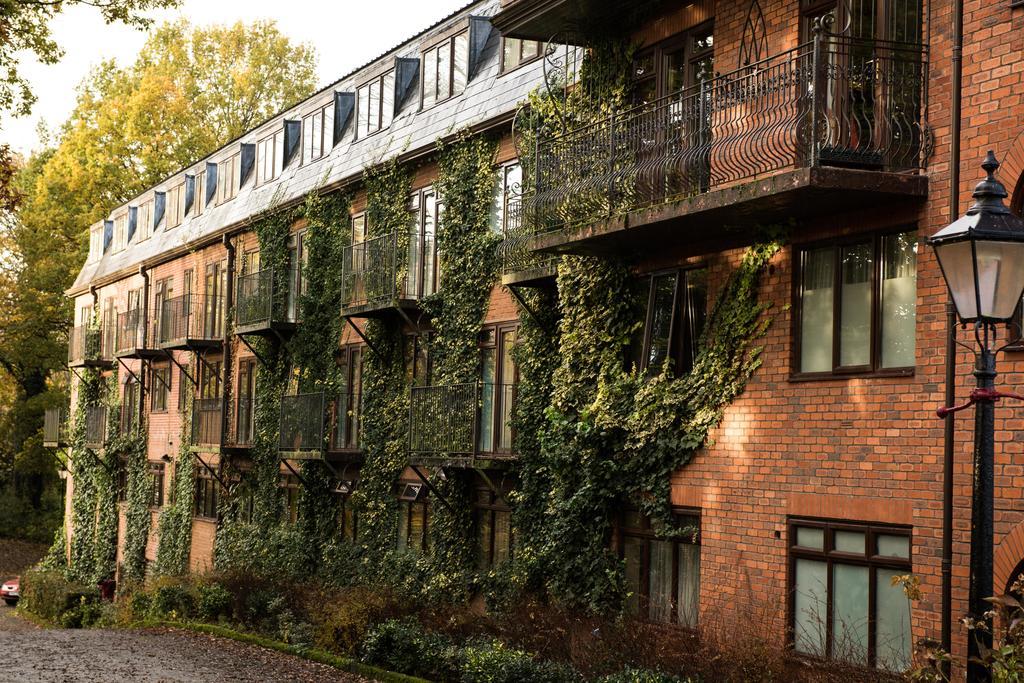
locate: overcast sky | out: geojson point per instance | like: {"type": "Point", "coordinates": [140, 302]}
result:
{"type": "Point", "coordinates": [345, 34]}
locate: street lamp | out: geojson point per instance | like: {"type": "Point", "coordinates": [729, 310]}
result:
{"type": "Point", "coordinates": [982, 259]}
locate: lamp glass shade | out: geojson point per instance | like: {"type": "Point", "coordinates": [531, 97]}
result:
{"type": "Point", "coordinates": [986, 282]}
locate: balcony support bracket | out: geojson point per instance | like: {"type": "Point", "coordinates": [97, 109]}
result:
{"type": "Point", "coordinates": [213, 473]}
{"type": "Point", "coordinates": [430, 486]}
{"type": "Point", "coordinates": [182, 368]}
{"type": "Point", "coordinates": [362, 336]}
{"type": "Point", "coordinates": [134, 376]}
{"type": "Point", "coordinates": [487, 480]}
{"type": "Point", "coordinates": [261, 359]}
{"type": "Point", "coordinates": [202, 361]}
{"type": "Point", "coordinates": [298, 476]}
{"type": "Point", "coordinates": [102, 464]}
{"type": "Point", "coordinates": [514, 291]}
{"type": "Point", "coordinates": [74, 371]}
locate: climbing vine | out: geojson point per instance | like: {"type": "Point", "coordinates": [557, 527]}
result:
{"type": "Point", "coordinates": [175, 528]}
{"type": "Point", "coordinates": [129, 449]}
{"type": "Point", "coordinates": [87, 484]}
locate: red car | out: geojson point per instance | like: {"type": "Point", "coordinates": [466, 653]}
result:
{"type": "Point", "coordinates": [9, 591]}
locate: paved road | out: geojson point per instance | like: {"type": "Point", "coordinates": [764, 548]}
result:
{"type": "Point", "coordinates": [34, 655]}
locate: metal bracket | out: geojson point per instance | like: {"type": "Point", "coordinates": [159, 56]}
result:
{"type": "Point", "coordinates": [979, 395]}
{"type": "Point", "coordinates": [166, 384]}
{"type": "Point", "coordinates": [199, 357]}
{"type": "Point", "coordinates": [362, 336]}
{"type": "Point", "coordinates": [261, 359]}
{"type": "Point", "coordinates": [487, 480]}
{"type": "Point", "coordinates": [101, 463]}
{"type": "Point", "coordinates": [182, 369]}
{"type": "Point", "coordinates": [74, 371]}
{"type": "Point", "coordinates": [430, 486]}
{"type": "Point", "coordinates": [298, 476]}
{"type": "Point", "coordinates": [526, 307]}
{"type": "Point", "coordinates": [213, 472]}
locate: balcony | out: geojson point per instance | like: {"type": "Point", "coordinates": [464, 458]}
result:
{"type": "Point", "coordinates": [134, 338]}
{"type": "Point", "coordinates": [541, 19]}
{"type": "Point", "coordinates": [303, 426]}
{"type": "Point", "coordinates": [386, 274]}
{"type": "Point", "coordinates": [520, 265]}
{"type": "Point", "coordinates": [55, 428]}
{"type": "Point", "coordinates": [191, 322]}
{"type": "Point", "coordinates": [207, 423]}
{"type": "Point", "coordinates": [461, 424]}
{"type": "Point", "coordinates": [89, 347]}
{"type": "Point", "coordinates": [95, 427]}
{"type": "Point", "coordinates": [265, 303]}
{"type": "Point", "coordinates": [833, 125]}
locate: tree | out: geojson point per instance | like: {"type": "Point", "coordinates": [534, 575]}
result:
{"type": "Point", "coordinates": [190, 91]}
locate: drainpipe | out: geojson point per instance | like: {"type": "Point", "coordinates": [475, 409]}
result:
{"type": "Point", "coordinates": [145, 342]}
{"type": "Point", "coordinates": [229, 303]}
{"type": "Point", "coordinates": [948, 434]}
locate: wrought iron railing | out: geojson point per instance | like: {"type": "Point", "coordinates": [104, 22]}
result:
{"type": "Point", "coordinates": [461, 420]}
{"type": "Point", "coordinates": [207, 421]}
{"type": "Point", "coordinates": [346, 432]}
{"type": "Point", "coordinates": [265, 298]}
{"type": "Point", "coordinates": [514, 251]}
{"type": "Point", "coordinates": [303, 422]}
{"type": "Point", "coordinates": [85, 345]}
{"type": "Point", "coordinates": [131, 332]}
{"type": "Point", "coordinates": [55, 427]}
{"type": "Point", "coordinates": [382, 271]}
{"type": "Point", "coordinates": [95, 426]}
{"type": "Point", "coordinates": [191, 318]}
{"type": "Point", "coordinates": [836, 101]}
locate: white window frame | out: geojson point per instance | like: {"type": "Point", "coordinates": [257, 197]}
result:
{"type": "Point", "coordinates": [369, 122]}
{"type": "Point", "coordinates": [455, 51]}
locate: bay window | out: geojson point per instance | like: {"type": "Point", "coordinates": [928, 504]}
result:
{"type": "Point", "coordinates": [843, 604]}
{"type": "Point", "coordinates": [856, 305]}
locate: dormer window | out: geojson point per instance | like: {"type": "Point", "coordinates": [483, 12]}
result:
{"type": "Point", "coordinates": [228, 172]}
{"type": "Point", "coordinates": [317, 129]}
{"type": "Point", "coordinates": [199, 198]}
{"type": "Point", "coordinates": [144, 224]}
{"type": "Point", "coordinates": [120, 231]}
{"type": "Point", "coordinates": [515, 52]}
{"type": "Point", "coordinates": [376, 105]}
{"type": "Point", "coordinates": [269, 157]}
{"type": "Point", "coordinates": [96, 242]}
{"type": "Point", "coordinates": [175, 205]}
{"type": "Point", "coordinates": [445, 69]}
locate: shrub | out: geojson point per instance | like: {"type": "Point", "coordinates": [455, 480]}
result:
{"type": "Point", "coordinates": [48, 594]}
{"type": "Point", "coordinates": [492, 662]}
{"type": "Point", "coordinates": [83, 614]}
{"type": "Point", "coordinates": [214, 602]}
{"type": "Point", "coordinates": [173, 600]}
{"type": "Point", "coordinates": [342, 620]}
{"type": "Point", "coordinates": [402, 645]}
{"type": "Point", "coordinates": [631, 675]}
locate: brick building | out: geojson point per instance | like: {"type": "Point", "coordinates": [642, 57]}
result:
{"type": "Point", "coordinates": [824, 478]}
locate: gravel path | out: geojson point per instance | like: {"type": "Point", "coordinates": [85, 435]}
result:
{"type": "Point", "coordinates": [34, 655]}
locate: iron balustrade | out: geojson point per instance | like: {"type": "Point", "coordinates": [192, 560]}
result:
{"type": "Point", "coordinates": [131, 332]}
{"type": "Point", "coordinates": [382, 271]}
{"type": "Point", "coordinates": [303, 423]}
{"type": "Point", "coordinates": [348, 411]}
{"type": "Point", "coordinates": [266, 298]}
{"type": "Point", "coordinates": [191, 318]}
{"type": "Point", "coordinates": [95, 426]}
{"type": "Point", "coordinates": [461, 420]}
{"type": "Point", "coordinates": [836, 100]}
{"type": "Point", "coordinates": [207, 421]}
{"type": "Point", "coordinates": [85, 345]}
{"type": "Point", "coordinates": [55, 427]}
{"type": "Point", "coordinates": [514, 249]}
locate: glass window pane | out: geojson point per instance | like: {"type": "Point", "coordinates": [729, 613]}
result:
{"type": "Point", "coordinates": [531, 48]}
{"type": "Point", "coordinates": [388, 100]}
{"type": "Point", "coordinates": [444, 74]}
{"type": "Point", "coordinates": [416, 528]}
{"type": "Point", "coordinates": [661, 581]}
{"type": "Point", "coordinates": [688, 600]}
{"type": "Point", "coordinates": [850, 542]}
{"type": "Point", "coordinates": [893, 546]}
{"type": "Point", "coordinates": [374, 107]}
{"type": "Point", "coordinates": [850, 613]}
{"type": "Point", "coordinates": [816, 311]}
{"type": "Point", "coordinates": [855, 322]}
{"type": "Point", "coordinates": [810, 537]}
{"type": "Point", "coordinates": [363, 117]}
{"type": "Point", "coordinates": [810, 600]}
{"type": "Point", "coordinates": [633, 555]}
{"type": "Point", "coordinates": [899, 299]}
{"type": "Point", "coordinates": [461, 65]}
{"type": "Point", "coordinates": [429, 78]}
{"type": "Point", "coordinates": [892, 625]}
{"type": "Point", "coordinates": [511, 56]}
{"type": "Point", "coordinates": [660, 318]}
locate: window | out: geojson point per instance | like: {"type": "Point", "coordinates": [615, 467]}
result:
{"type": "Point", "coordinates": [214, 284]}
{"type": "Point", "coordinates": [662, 575]}
{"type": "Point", "coordinates": [445, 69]}
{"type": "Point", "coordinates": [417, 359]}
{"type": "Point", "coordinates": [857, 305]}
{"type": "Point", "coordinates": [175, 205]}
{"type": "Point", "coordinates": [498, 378]}
{"type": "Point", "coordinates": [349, 406]}
{"type": "Point", "coordinates": [422, 279]}
{"type": "Point", "coordinates": [250, 262]}
{"type": "Point", "coordinates": [205, 496]}
{"type": "Point", "coordinates": [317, 134]}
{"type": "Point", "coordinates": [120, 232]}
{"type": "Point", "coordinates": [228, 173]}
{"type": "Point", "coordinates": [348, 519]}
{"type": "Point", "coordinates": [269, 157]}
{"type": "Point", "coordinates": [122, 482]}
{"type": "Point", "coordinates": [676, 309]}
{"type": "Point", "coordinates": [493, 519]}
{"type": "Point", "coordinates": [297, 258]}
{"type": "Point", "coordinates": [515, 52]}
{"type": "Point", "coordinates": [156, 473]}
{"type": "Point", "coordinates": [199, 198]}
{"type": "Point", "coordinates": [842, 601]}
{"type": "Point", "coordinates": [209, 379]}
{"type": "Point", "coordinates": [159, 387]}
{"type": "Point", "coordinates": [508, 192]}
{"type": "Point", "coordinates": [144, 221]}
{"type": "Point", "coordinates": [185, 388]}
{"type": "Point", "coordinates": [96, 242]}
{"type": "Point", "coordinates": [413, 516]}
{"type": "Point", "coordinates": [375, 105]}
{"type": "Point", "coordinates": [289, 498]}
{"type": "Point", "coordinates": [897, 20]}
{"type": "Point", "coordinates": [680, 62]}
{"type": "Point", "coordinates": [358, 228]}
{"type": "Point", "coordinates": [246, 401]}
{"type": "Point", "coordinates": [130, 406]}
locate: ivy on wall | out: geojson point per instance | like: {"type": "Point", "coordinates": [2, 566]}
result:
{"type": "Point", "coordinates": [130, 451]}
{"type": "Point", "coordinates": [175, 528]}
{"type": "Point", "coordinates": [87, 484]}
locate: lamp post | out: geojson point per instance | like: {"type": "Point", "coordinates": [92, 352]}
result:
{"type": "Point", "coordinates": [981, 255]}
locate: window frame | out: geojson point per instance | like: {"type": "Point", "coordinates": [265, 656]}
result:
{"type": "Point", "coordinates": [205, 497]}
{"type": "Point", "coordinates": [160, 392]}
{"type": "Point", "coordinates": [228, 173]}
{"type": "Point", "coordinates": [492, 338]}
{"type": "Point", "coordinates": [272, 143]}
{"type": "Point", "coordinates": [493, 505]}
{"type": "Point", "coordinates": [184, 384]}
{"type": "Point", "coordinates": [505, 68]}
{"type": "Point", "coordinates": [175, 206]}
{"type": "Point", "coordinates": [157, 473]}
{"type": "Point", "coordinates": [410, 508]}
{"type": "Point", "coordinates": [874, 367]}
{"type": "Point", "coordinates": [325, 139]}
{"type": "Point", "coordinates": [290, 492]}
{"type": "Point", "coordinates": [829, 556]}
{"type": "Point", "coordinates": [677, 341]}
{"type": "Point", "coordinates": [449, 44]}
{"type": "Point", "coordinates": [381, 81]}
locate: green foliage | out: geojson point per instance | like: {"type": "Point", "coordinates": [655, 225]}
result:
{"type": "Point", "coordinates": [130, 449]}
{"type": "Point", "coordinates": [403, 645]}
{"type": "Point", "coordinates": [631, 675]}
{"type": "Point", "coordinates": [175, 529]}
{"type": "Point", "coordinates": [493, 662]}
{"type": "Point", "coordinates": [48, 594]}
